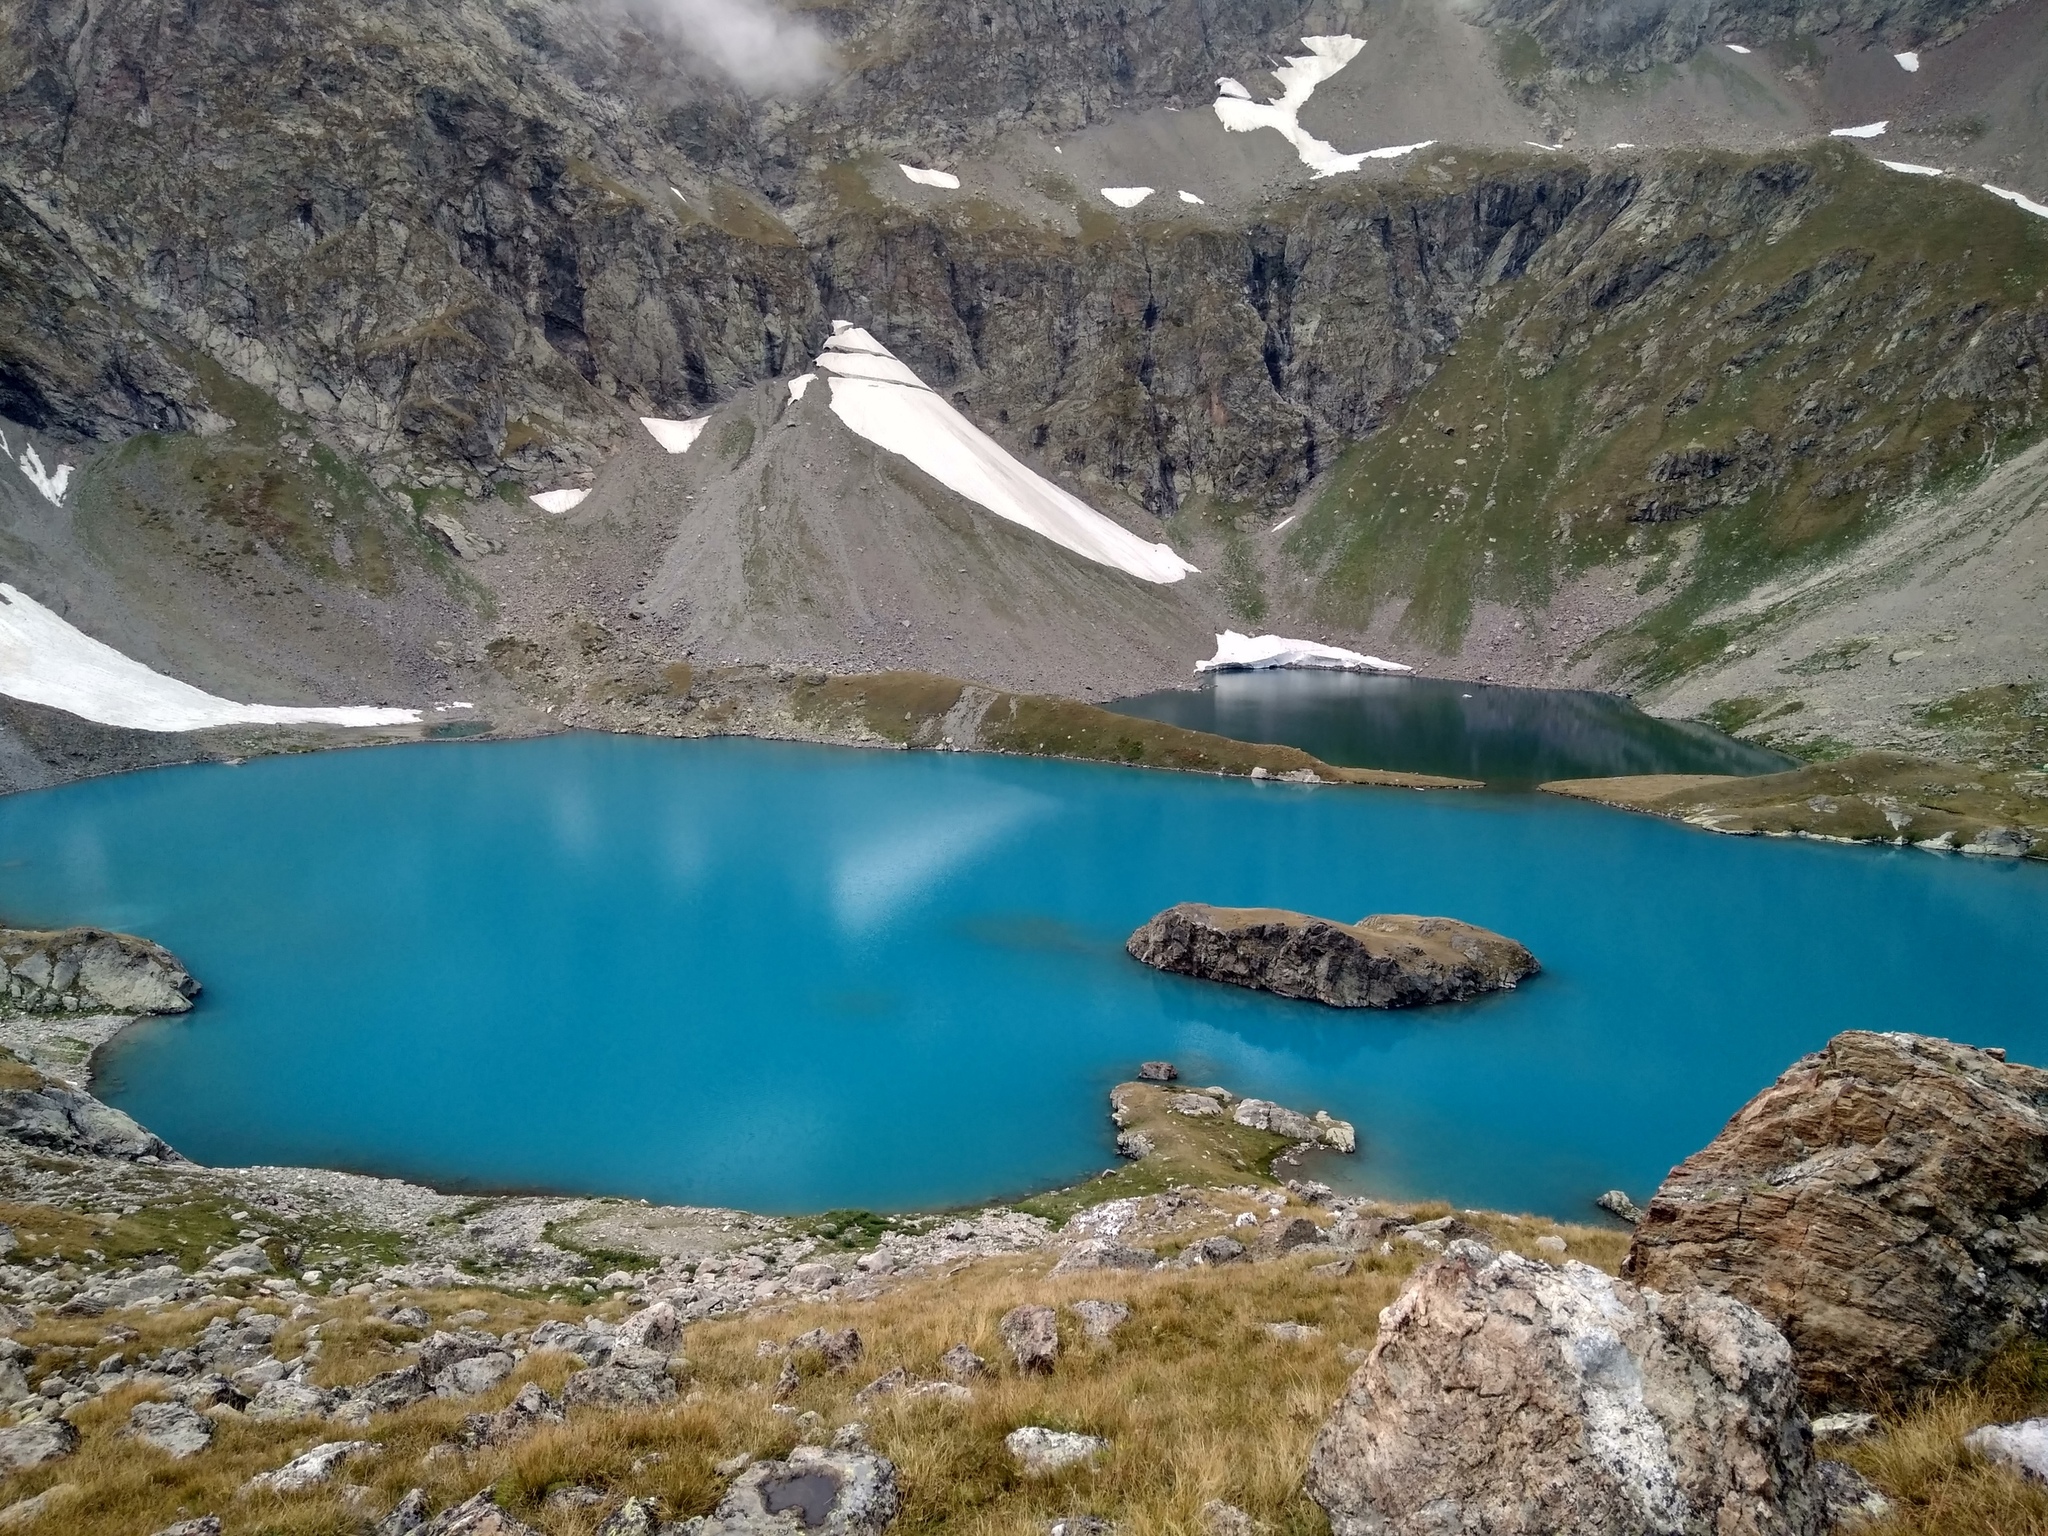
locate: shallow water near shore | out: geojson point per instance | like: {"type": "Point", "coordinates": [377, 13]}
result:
{"type": "Point", "coordinates": [1509, 738]}
{"type": "Point", "coordinates": [788, 977]}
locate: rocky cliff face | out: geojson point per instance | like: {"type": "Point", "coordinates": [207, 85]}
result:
{"type": "Point", "coordinates": [87, 970]}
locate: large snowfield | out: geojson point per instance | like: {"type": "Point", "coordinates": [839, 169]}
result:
{"type": "Point", "coordinates": [44, 660]}
{"type": "Point", "coordinates": [1260, 653]}
{"type": "Point", "coordinates": [880, 399]}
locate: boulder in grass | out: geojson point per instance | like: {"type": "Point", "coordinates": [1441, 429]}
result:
{"type": "Point", "coordinates": [34, 1443]}
{"type": "Point", "coordinates": [478, 1516]}
{"type": "Point", "coordinates": [1386, 961]}
{"type": "Point", "coordinates": [840, 1492]}
{"type": "Point", "coordinates": [1505, 1396]}
{"type": "Point", "coordinates": [1033, 1334]}
{"type": "Point", "coordinates": [611, 1386]}
{"type": "Point", "coordinates": [171, 1428]}
{"type": "Point", "coordinates": [1041, 1452]}
{"type": "Point", "coordinates": [309, 1469]}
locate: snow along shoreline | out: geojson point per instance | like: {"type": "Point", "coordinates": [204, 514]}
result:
{"type": "Point", "coordinates": [45, 660]}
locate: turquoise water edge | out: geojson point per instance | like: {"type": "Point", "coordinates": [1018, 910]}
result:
{"type": "Point", "coordinates": [789, 977]}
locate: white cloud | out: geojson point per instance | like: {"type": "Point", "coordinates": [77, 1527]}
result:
{"type": "Point", "coordinates": [751, 40]}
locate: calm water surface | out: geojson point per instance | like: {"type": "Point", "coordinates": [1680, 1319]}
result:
{"type": "Point", "coordinates": [1508, 737]}
{"type": "Point", "coordinates": [792, 977]}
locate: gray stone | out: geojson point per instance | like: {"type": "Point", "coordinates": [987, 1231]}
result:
{"type": "Point", "coordinates": [591, 1346]}
{"type": "Point", "coordinates": [58, 1118]}
{"type": "Point", "coordinates": [1505, 1395]}
{"type": "Point", "coordinates": [23, 1513]}
{"type": "Point", "coordinates": [1214, 1250]}
{"type": "Point", "coordinates": [1221, 1519]}
{"type": "Point", "coordinates": [101, 972]}
{"type": "Point", "coordinates": [1289, 1234]}
{"type": "Point", "coordinates": [1617, 1203]}
{"type": "Point", "coordinates": [1081, 1525]}
{"type": "Point", "coordinates": [1847, 1498]}
{"type": "Point", "coordinates": [477, 1516]}
{"type": "Point", "coordinates": [406, 1516]}
{"type": "Point", "coordinates": [1843, 1428]}
{"type": "Point", "coordinates": [1387, 961]}
{"type": "Point", "coordinates": [529, 1409]}
{"type": "Point", "coordinates": [310, 1468]}
{"type": "Point", "coordinates": [473, 1374]}
{"type": "Point", "coordinates": [657, 1328]}
{"type": "Point", "coordinates": [1100, 1319]}
{"type": "Point", "coordinates": [250, 1256]}
{"type": "Point", "coordinates": [962, 1363]}
{"type": "Point", "coordinates": [1104, 1253]}
{"type": "Point", "coordinates": [1033, 1335]}
{"type": "Point", "coordinates": [1293, 1333]}
{"type": "Point", "coordinates": [813, 1277]}
{"type": "Point", "coordinates": [2022, 1446]}
{"type": "Point", "coordinates": [840, 1347]}
{"type": "Point", "coordinates": [1196, 1106]}
{"type": "Point", "coordinates": [205, 1525]}
{"type": "Point", "coordinates": [833, 1493]}
{"type": "Point", "coordinates": [284, 1400]}
{"type": "Point", "coordinates": [36, 1442]}
{"type": "Point", "coordinates": [1157, 1072]}
{"type": "Point", "coordinates": [171, 1428]}
{"type": "Point", "coordinates": [608, 1386]}
{"type": "Point", "coordinates": [635, 1517]}
{"type": "Point", "coordinates": [1040, 1451]}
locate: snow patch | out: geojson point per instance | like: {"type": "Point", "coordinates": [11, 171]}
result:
{"type": "Point", "coordinates": [1298, 79]}
{"type": "Point", "coordinates": [1735, 47]}
{"type": "Point", "coordinates": [1553, 148]}
{"type": "Point", "coordinates": [51, 482]}
{"type": "Point", "coordinates": [1908, 168]}
{"type": "Point", "coordinates": [1283, 522]}
{"type": "Point", "coordinates": [799, 384]}
{"type": "Point", "coordinates": [1189, 197]}
{"type": "Point", "coordinates": [1127, 197]}
{"type": "Point", "coordinates": [1624, 144]}
{"type": "Point", "coordinates": [1866, 131]}
{"type": "Point", "coordinates": [45, 660]}
{"type": "Point", "coordinates": [1396, 151]}
{"type": "Point", "coordinates": [893, 409]}
{"type": "Point", "coordinates": [559, 501]}
{"type": "Point", "coordinates": [1235, 652]}
{"type": "Point", "coordinates": [924, 178]}
{"type": "Point", "coordinates": [2022, 201]}
{"type": "Point", "coordinates": [1909, 62]}
{"type": "Point", "coordinates": [675, 436]}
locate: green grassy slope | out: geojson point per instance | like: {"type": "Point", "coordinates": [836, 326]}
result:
{"type": "Point", "coordinates": [1768, 353]}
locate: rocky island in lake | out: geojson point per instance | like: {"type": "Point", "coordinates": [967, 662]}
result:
{"type": "Point", "coordinates": [1389, 960]}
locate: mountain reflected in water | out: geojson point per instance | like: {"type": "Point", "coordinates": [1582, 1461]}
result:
{"type": "Point", "coordinates": [1509, 737]}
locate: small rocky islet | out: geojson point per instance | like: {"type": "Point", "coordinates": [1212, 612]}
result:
{"type": "Point", "coordinates": [1382, 961]}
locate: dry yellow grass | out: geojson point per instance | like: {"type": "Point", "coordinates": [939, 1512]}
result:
{"type": "Point", "coordinates": [1941, 1489]}
{"type": "Point", "coordinates": [1196, 1398]}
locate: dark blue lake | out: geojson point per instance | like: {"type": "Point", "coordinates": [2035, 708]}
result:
{"type": "Point", "coordinates": [790, 977]}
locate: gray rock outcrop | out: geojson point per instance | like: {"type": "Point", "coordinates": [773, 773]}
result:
{"type": "Point", "coordinates": [171, 1428]}
{"type": "Point", "coordinates": [478, 1516]}
{"type": "Point", "coordinates": [88, 970]}
{"type": "Point", "coordinates": [1386, 961]}
{"type": "Point", "coordinates": [59, 1118]}
{"type": "Point", "coordinates": [35, 1442]}
{"type": "Point", "coordinates": [1885, 1203]}
{"type": "Point", "coordinates": [1040, 1451]}
{"type": "Point", "coordinates": [1509, 1397]}
{"type": "Point", "coordinates": [2022, 1446]}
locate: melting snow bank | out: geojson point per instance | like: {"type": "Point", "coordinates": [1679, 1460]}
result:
{"type": "Point", "coordinates": [675, 436]}
{"type": "Point", "coordinates": [50, 482]}
{"type": "Point", "coordinates": [2019, 200]}
{"type": "Point", "coordinates": [1127, 197]}
{"type": "Point", "coordinates": [45, 661]}
{"type": "Point", "coordinates": [800, 383]}
{"type": "Point", "coordinates": [1909, 62]}
{"type": "Point", "coordinates": [1907, 168]}
{"type": "Point", "coordinates": [1866, 131]}
{"type": "Point", "coordinates": [883, 401]}
{"type": "Point", "coordinates": [925, 178]}
{"type": "Point", "coordinates": [1235, 652]}
{"type": "Point", "coordinates": [1298, 78]}
{"type": "Point", "coordinates": [560, 501]}
{"type": "Point", "coordinates": [1189, 197]}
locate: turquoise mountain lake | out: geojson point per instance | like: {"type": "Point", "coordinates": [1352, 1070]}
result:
{"type": "Point", "coordinates": [790, 977]}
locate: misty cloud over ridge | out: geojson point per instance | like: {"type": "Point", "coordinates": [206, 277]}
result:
{"type": "Point", "coordinates": [754, 41]}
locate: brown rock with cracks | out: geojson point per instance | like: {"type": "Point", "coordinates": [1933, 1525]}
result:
{"type": "Point", "coordinates": [1507, 1397]}
{"type": "Point", "coordinates": [1885, 1203]}
{"type": "Point", "coordinates": [1033, 1334]}
{"type": "Point", "coordinates": [1386, 961]}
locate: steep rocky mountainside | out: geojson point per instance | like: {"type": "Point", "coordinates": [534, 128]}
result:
{"type": "Point", "coordinates": [280, 286]}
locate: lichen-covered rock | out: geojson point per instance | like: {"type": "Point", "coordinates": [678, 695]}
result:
{"type": "Point", "coordinates": [88, 970]}
{"type": "Point", "coordinates": [610, 1386]}
{"type": "Point", "coordinates": [1507, 1397]}
{"type": "Point", "coordinates": [171, 1428]}
{"type": "Point", "coordinates": [37, 1441]}
{"type": "Point", "coordinates": [1040, 1451]}
{"type": "Point", "coordinates": [478, 1516]}
{"type": "Point", "coordinates": [833, 1493]}
{"type": "Point", "coordinates": [1885, 1203]}
{"type": "Point", "coordinates": [1387, 961]}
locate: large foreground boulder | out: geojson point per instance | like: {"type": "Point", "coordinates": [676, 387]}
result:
{"type": "Point", "coordinates": [1388, 961]}
{"type": "Point", "coordinates": [1507, 1397]}
{"type": "Point", "coordinates": [834, 1493]}
{"type": "Point", "coordinates": [1882, 1203]}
